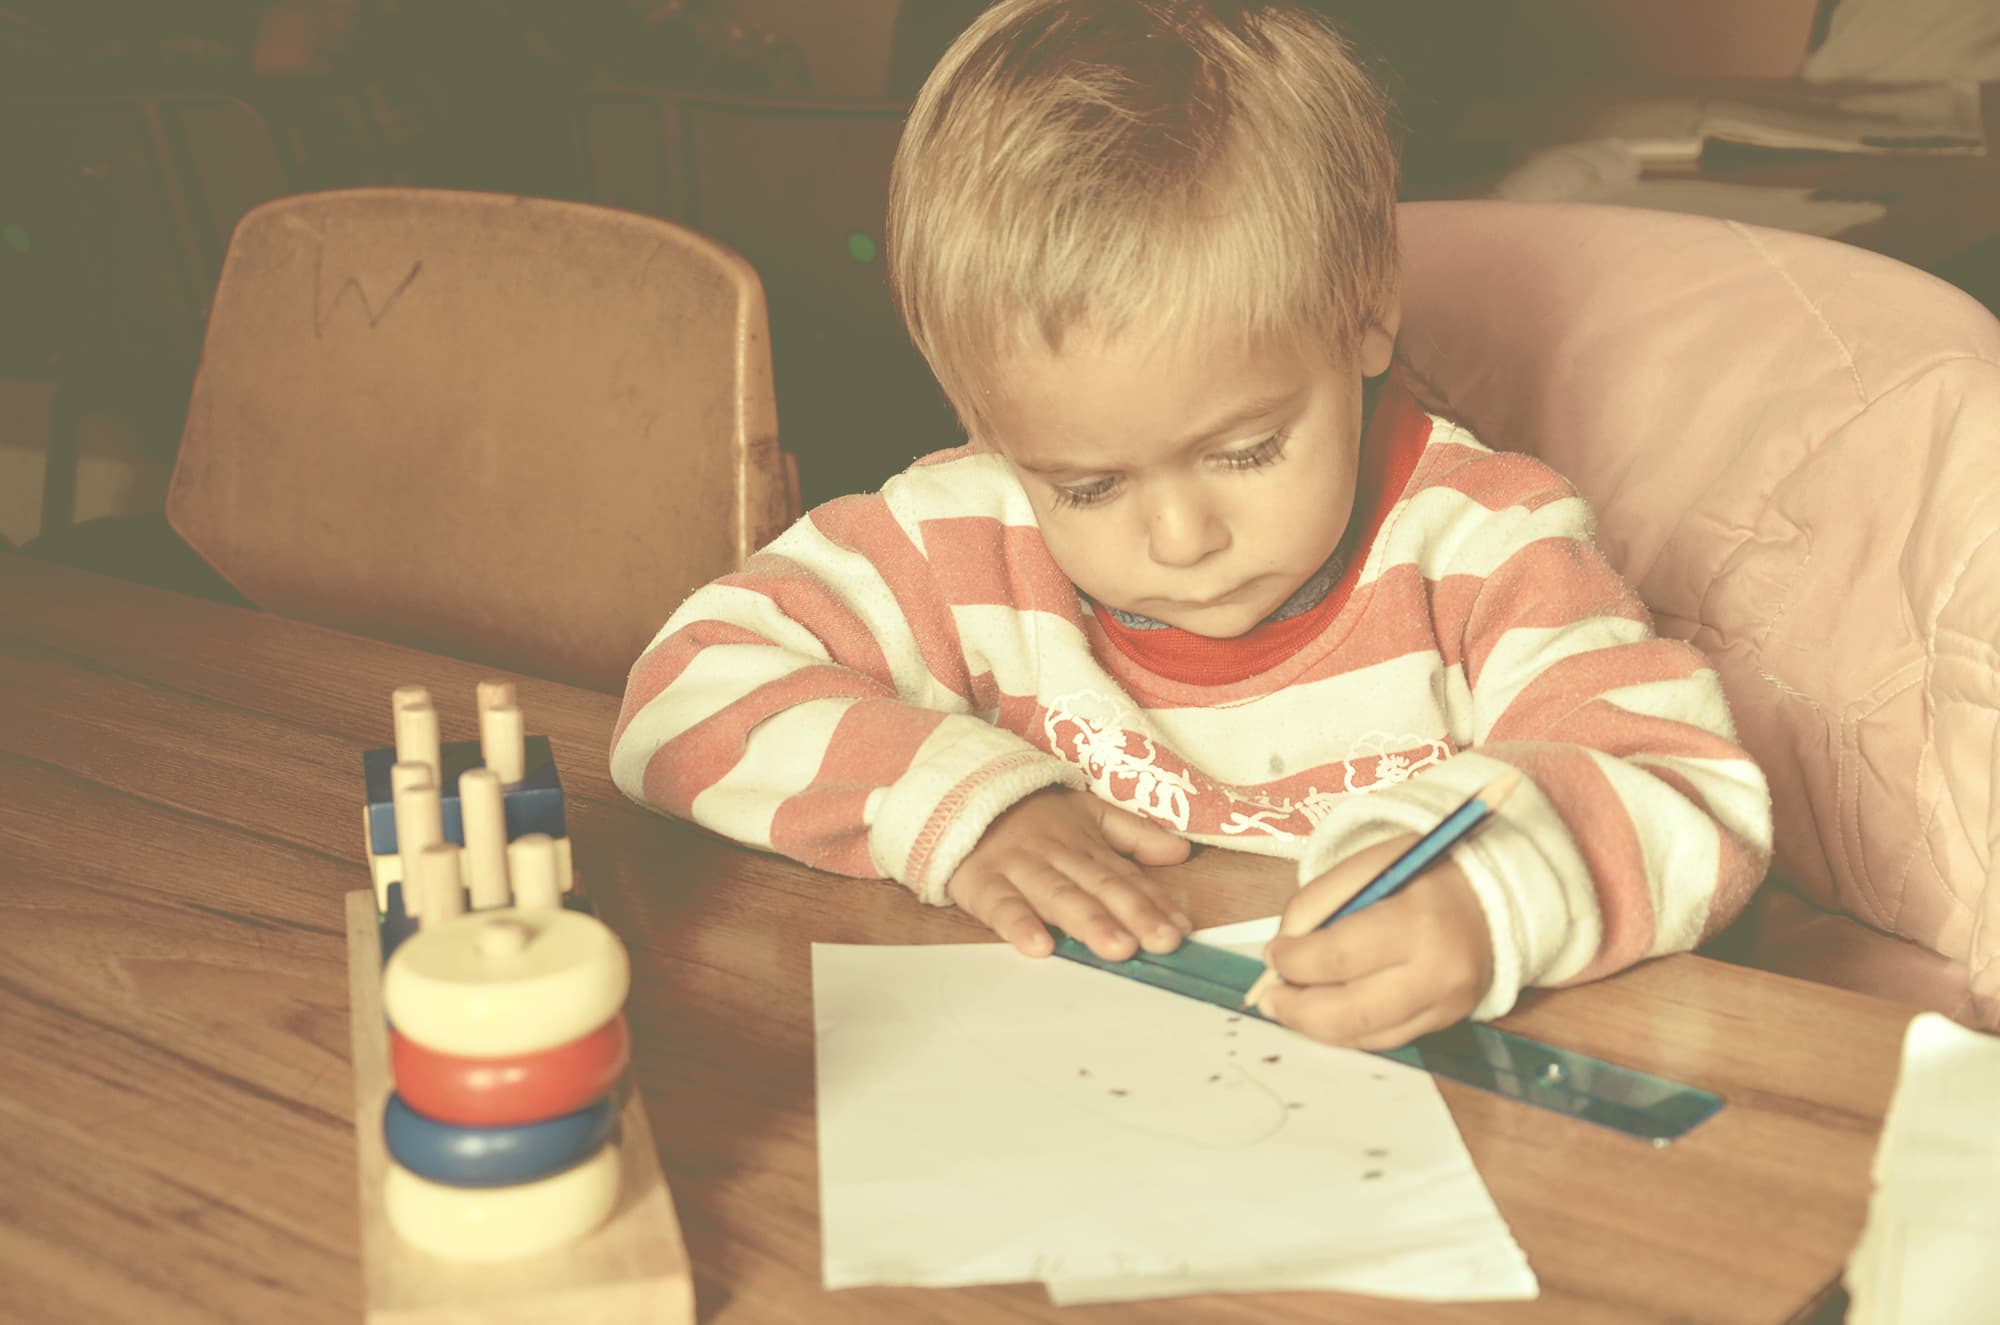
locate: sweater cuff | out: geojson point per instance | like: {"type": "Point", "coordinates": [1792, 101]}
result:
{"type": "Point", "coordinates": [968, 774]}
{"type": "Point", "coordinates": [1527, 910]}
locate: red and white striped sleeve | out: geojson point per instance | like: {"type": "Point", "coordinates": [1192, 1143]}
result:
{"type": "Point", "coordinates": [818, 704]}
{"type": "Point", "coordinates": [1642, 827]}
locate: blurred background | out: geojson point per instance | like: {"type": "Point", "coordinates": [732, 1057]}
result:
{"type": "Point", "coordinates": [136, 132]}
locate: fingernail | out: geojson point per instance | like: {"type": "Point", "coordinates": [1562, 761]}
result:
{"type": "Point", "coordinates": [1187, 926]}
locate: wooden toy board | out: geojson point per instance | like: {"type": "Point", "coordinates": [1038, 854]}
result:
{"type": "Point", "coordinates": [633, 1268]}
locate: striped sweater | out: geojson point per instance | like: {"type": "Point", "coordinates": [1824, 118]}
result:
{"type": "Point", "coordinates": [884, 679]}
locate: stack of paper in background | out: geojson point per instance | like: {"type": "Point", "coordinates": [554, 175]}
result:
{"type": "Point", "coordinates": [988, 1118]}
{"type": "Point", "coordinates": [1930, 1253]}
{"type": "Point", "coordinates": [1644, 151]}
{"type": "Point", "coordinates": [1913, 119]}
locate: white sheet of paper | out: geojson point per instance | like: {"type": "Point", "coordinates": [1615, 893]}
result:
{"type": "Point", "coordinates": [988, 1118]}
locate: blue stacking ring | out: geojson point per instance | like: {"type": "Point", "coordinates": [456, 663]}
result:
{"type": "Point", "coordinates": [495, 1156]}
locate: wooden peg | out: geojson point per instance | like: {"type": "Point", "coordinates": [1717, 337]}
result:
{"type": "Point", "coordinates": [407, 775]}
{"type": "Point", "coordinates": [495, 692]}
{"type": "Point", "coordinates": [502, 742]}
{"type": "Point", "coordinates": [417, 729]}
{"type": "Point", "coordinates": [482, 809]}
{"type": "Point", "coordinates": [503, 939]}
{"type": "Point", "coordinates": [419, 814]}
{"type": "Point", "coordinates": [531, 869]}
{"type": "Point", "coordinates": [440, 891]}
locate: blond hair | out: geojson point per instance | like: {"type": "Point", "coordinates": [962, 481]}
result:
{"type": "Point", "coordinates": [1100, 166]}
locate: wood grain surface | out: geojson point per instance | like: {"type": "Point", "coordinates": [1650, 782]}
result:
{"type": "Point", "coordinates": [179, 784]}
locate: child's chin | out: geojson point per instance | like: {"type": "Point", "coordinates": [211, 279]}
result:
{"type": "Point", "coordinates": [1232, 624]}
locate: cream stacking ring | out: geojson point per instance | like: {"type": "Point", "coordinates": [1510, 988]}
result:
{"type": "Point", "coordinates": [488, 984]}
{"type": "Point", "coordinates": [502, 1223]}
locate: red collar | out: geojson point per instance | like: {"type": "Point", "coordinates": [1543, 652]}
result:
{"type": "Point", "coordinates": [1397, 430]}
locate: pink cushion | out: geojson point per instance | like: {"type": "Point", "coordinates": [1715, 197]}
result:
{"type": "Point", "coordinates": [1793, 447]}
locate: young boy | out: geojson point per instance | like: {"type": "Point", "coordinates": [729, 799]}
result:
{"type": "Point", "coordinates": [1205, 572]}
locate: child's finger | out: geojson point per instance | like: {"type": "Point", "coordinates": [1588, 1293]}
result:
{"type": "Point", "coordinates": [1113, 881]}
{"type": "Point", "coordinates": [1359, 946]}
{"type": "Point", "coordinates": [1395, 1037]}
{"type": "Point", "coordinates": [999, 906]}
{"type": "Point", "coordinates": [1351, 1013]}
{"type": "Point", "coordinates": [1136, 836]}
{"type": "Point", "coordinates": [1066, 904]}
{"type": "Point", "coordinates": [1321, 897]}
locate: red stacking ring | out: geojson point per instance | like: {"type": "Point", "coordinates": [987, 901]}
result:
{"type": "Point", "coordinates": [524, 1088]}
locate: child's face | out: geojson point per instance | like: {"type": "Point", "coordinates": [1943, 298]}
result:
{"type": "Point", "coordinates": [1198, 484]}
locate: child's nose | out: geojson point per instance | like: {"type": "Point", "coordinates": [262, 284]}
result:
{"type": "Point", "coordinates": [1182, 529]}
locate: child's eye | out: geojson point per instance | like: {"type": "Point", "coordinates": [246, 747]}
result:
{"type": "Point", "coordinates": [1269, 451]}
{"type": "Point", "coordinates": [1087, 494]}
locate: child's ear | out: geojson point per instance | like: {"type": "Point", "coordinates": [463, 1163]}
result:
{"type": "Point", "coordinates": [1378, 339]}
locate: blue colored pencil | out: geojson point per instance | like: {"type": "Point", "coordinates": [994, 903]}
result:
{"type": "Point", "coordinates": [1450, 831]}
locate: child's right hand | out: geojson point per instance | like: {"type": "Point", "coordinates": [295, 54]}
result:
{"type": "Point", "coordinates": [1065, 858]}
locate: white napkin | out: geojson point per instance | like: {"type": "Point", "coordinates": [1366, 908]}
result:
{"type": "Point", "coordinates": [1930, 1252]}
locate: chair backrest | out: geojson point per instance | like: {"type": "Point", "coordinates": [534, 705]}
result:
{"type": "Point", "coordinates": [1793, 449]}
{"type": "Point", "coordinates": [509, 429]}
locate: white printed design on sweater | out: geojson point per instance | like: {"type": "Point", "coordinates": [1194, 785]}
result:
{"type": "Point", "coordinates": [1393, 761]}
{"type": "Point", "coordinates": [1090, 729]}
{"type": "Point", "coordinates": [1392, 764]}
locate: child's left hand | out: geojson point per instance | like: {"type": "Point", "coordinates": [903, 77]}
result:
{"type": "Point", "coordinates": [1409, 964]}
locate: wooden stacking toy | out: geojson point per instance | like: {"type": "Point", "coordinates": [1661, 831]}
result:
{"type": "Point", "coordinates": [508, 1172]}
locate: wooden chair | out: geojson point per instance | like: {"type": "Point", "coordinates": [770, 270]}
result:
{"type": "Point", "coordinates": [511, 429]}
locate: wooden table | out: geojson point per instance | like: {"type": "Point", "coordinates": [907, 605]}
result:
{"type": "Point", "coordinates": [179, 820]}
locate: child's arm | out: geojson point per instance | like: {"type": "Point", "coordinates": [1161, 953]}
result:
{"type": "Point", "coordinates": [1642, 826]}
{"type": "Point", "coordinates": [818, 704]}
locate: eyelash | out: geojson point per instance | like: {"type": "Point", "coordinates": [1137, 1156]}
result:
{"type": "Point", "coordinates": [1267, 452]}
{"type": "Point", "coordinates": [1095, 493]}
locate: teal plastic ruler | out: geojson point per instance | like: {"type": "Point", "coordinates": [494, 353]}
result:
{"type": "Point", "coordinates": [1636, 1103]}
